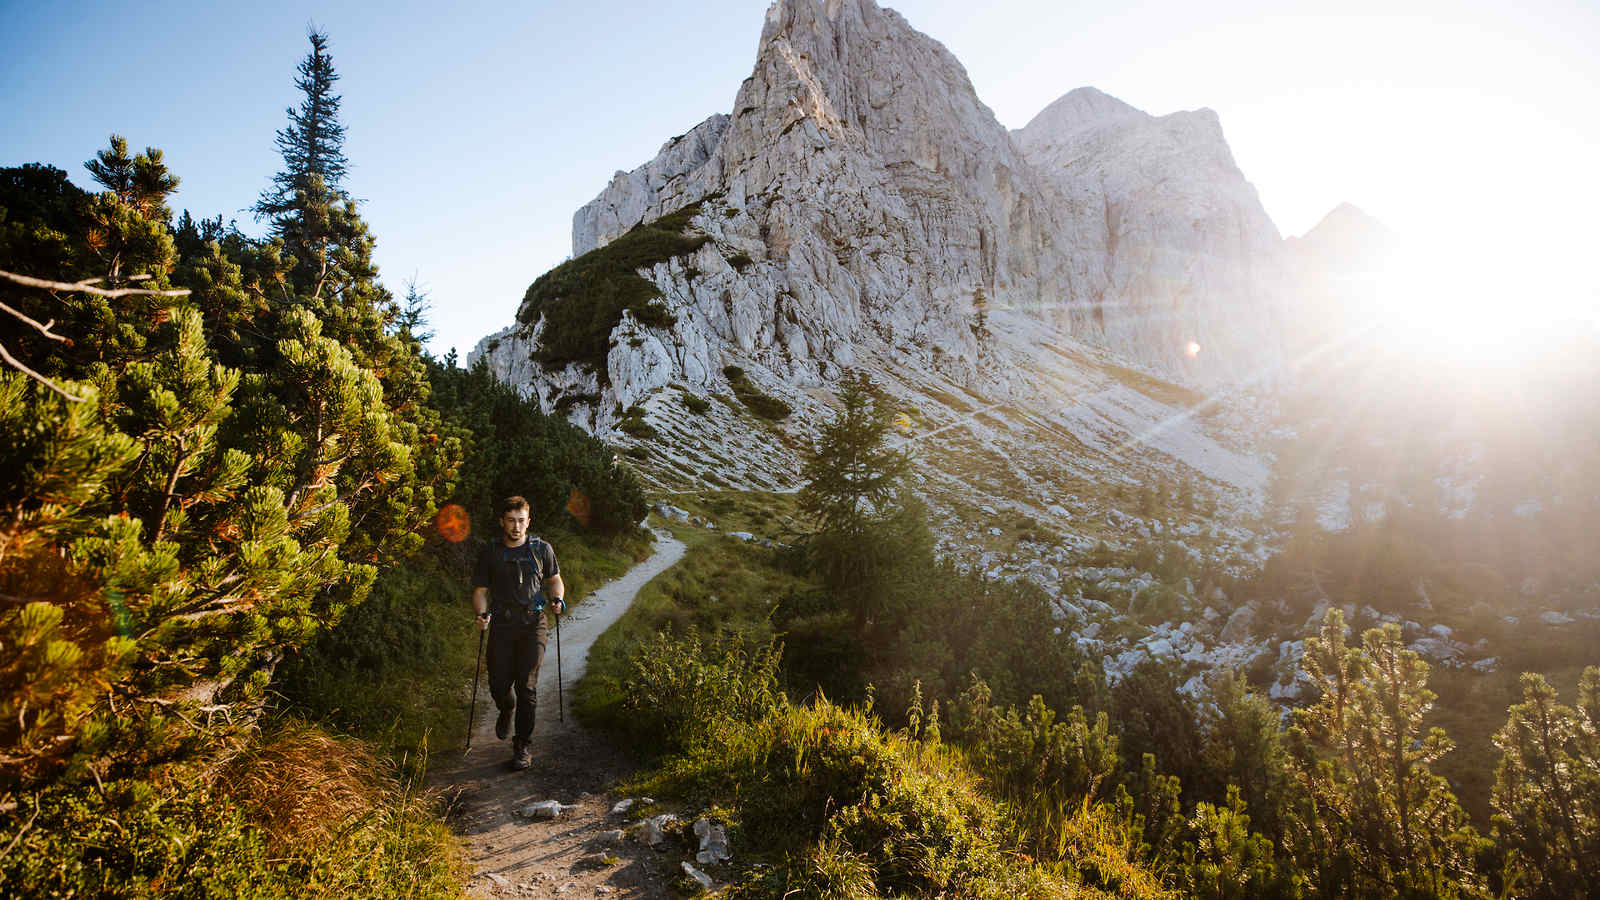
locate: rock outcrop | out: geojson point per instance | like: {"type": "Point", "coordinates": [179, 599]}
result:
{"type": "Point", "coordinates": [861, 201]}
{"type": "Point", "coordinates": [1023, 294]}
{"type": "Point", "coordinates": [1184, 271]}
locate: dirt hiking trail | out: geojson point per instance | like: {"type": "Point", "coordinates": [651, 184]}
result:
{"type": "Point", "coordinates": [577, 855]}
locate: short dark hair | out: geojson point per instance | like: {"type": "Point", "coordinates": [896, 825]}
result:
{"type": "Point", "coordinates": [512, 504]}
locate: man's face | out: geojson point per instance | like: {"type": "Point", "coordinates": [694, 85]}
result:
{"type": "Point", "coordinates": [514, 524]}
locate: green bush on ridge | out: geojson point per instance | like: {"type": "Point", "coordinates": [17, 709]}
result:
{"type": "Point", "coordinates": [583, 299]}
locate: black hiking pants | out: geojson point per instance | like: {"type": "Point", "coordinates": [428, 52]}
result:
{"type": "Point", "coordinates": [515, 651]}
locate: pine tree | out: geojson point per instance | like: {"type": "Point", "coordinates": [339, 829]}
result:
{"type": "Point", "coordinates": [312, 144]}
{"type": "Point", "coordinates": [1242, 750]}
{"type": "Point", "coordinates": [240, 463]}
{"type": "Point", "coordinates": [1547, 791]}
{"type": "Point", "coordinates": [1223, 859]}
{"type": "Point", "coordinates": [1375, 820]}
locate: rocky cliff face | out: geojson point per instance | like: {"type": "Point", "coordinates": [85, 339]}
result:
{"type": "Point", "coordinates": [863, 209]}
{"type": "Point", "coordinates": [1185, 266]}
{"type": "Point", "coordinates": [862, 202]}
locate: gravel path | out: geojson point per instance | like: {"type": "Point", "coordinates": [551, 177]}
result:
{"type": "Point", "coordinates": [576, 855]}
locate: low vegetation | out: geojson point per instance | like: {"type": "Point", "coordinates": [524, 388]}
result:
{"type": "Point", "coordinates": [761, 404]}
{"type": "Point", "coordinates": [235, 626]}
{"type": "Point", "coordinates": [583, 299]}
{"type": "Point", "coordinates": [857, 655]}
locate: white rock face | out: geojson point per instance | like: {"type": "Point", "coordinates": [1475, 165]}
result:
{"type": "Point", "coordinates": [652, 190]}
{"type": "Point", "coordinates": [874, 205]}
{"type": "Point", "coordinates": [1179, 261]}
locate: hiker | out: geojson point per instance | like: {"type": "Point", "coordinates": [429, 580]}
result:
{"type": "Point", "coordinates": [516, 577]}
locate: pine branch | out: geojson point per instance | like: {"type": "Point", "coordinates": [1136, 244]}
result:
{"type": "Point", "coordinates": [87, 287]}
{"type": "Point", "coordinates": [20, 367]}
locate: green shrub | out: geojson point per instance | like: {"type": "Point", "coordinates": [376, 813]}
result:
{"type": "Point", "coordinates": [565, 403]}
{"type": "Point", "coordinates": [697, 405]}
{"type": "Point", "coordinates": [392, 670]}
{"type": "Point", "coordinates": [763, 405]}
{"type": "Point", "coordinates": [740, 260]}
{"type": "Point", "coordinates": [583, 299]}
{"type": "Point", "coordinates": [635, 425]}
{"type": "Point", "coordinates": [516, 449]}
{"type": "Point", "coordinates": [854, 810]}
{"type": "Point", "coordinates": [684, 692]}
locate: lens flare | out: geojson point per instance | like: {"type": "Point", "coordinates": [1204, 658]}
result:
{"type": "Point", "coordinates": [578, 505]}
{"type": "Point", "coordinates": [1191, 349]}
{"type": "Point", "coordinates": [453, 522]}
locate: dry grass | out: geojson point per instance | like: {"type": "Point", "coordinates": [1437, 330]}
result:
{"type": "Point", "coordinates": [340, 813]}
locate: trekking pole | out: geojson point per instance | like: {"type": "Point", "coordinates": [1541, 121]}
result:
{"type": "Point", "coordinates": [472, 716]}
{"type": "Point", "coordinates": [561, 702]}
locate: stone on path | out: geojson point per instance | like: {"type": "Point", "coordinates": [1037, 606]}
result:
{"type": "Point", "coordinates": [653, 831]}
{"type": "Point", "coordinates": [546, 809]}
{"type": "Point", "coordinates": [699, 876]}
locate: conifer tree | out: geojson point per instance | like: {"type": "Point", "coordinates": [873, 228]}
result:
{"type": "Point", "coordinates": [241, 462]}
{"type": "Point", "coordinates": [312, 144]}
{"type": "Point", "coordinates": [852, 479]}
{"type": "Point", "coordinates": [1547, 791]}
{"type": "Point", "coordinates": [1375, 821]}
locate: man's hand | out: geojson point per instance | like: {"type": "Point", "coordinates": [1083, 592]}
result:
{"type": "Point", "coordinates": [483, 621]}
{"type": "Point", "coordinates": [558, 604]}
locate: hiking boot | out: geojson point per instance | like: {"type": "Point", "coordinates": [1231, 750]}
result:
{"type": "Point", "coordinates": [522, 756]}
{"type": "Point", "coordinates": [502, 724]}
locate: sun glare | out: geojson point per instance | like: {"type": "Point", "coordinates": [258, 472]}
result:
{"type": "Point", "coordinates": [1490, 307]}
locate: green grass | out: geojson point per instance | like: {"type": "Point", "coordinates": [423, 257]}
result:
{"type": "Point", "coordinates": [832, 804]}
{"type": "Point", "coordinates": [300, 812]}
{"type": "Point", "coordinates": [762, 513]}
{"type": "Point", "coordinates": [1155, 388]}
{"type": "Point", "coordinates": [583, 299]}
{"type": "Point", "coordinates": [741, 578]}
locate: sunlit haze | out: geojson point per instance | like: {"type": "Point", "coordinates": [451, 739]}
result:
{"type": "Point", "coordinates": [475, 131]}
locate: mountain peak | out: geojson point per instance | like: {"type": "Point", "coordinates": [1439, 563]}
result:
{"type": "Point", "coordinates": [1080, 109]}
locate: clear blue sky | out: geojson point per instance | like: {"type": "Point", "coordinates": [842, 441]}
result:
{"type": "Point", "coordinates": [475, 130]}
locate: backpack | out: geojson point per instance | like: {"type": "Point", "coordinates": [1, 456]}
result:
{"type": "Point", "coordinates": [528, 590]}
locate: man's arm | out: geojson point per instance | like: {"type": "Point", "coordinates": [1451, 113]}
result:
{"type": "Point", "coordinates": [480, 605]}
{"type": "Point", "coordinates": [556, 591]}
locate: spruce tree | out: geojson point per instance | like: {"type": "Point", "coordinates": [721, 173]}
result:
{"type": "Point", "coordinates": [852, 482]}
{"type": "Point", "coordinates": [312, 143]}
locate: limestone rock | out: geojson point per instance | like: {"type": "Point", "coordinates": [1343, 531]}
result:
{"type": "Point", "coordinates": [864, 210]}
{"type": "Point", "coordinates": [713, 842]}
{"type": "Point", "coordinates": [1173, 243]}
{"type": "Point", "coordinates": [705, 881]}
{"type": "Point", "coordinates": [546, 809]}
{"type": "Point", "coordinates": [653, 831]}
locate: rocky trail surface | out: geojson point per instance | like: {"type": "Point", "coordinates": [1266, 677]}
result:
{"type": "Point", "coordinates": [580, 853]}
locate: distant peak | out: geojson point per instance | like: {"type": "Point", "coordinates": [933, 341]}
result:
{"type": "Point", "coordinates": [1346, 218]}
{"type": "Point", "coordinates": [1082, 108]}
